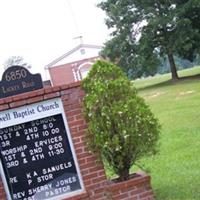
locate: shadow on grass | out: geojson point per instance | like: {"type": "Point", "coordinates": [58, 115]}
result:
{"type": "Point", "coordinates": [196, 76]}
{"type": "Point", "coordinates": [170, 82]}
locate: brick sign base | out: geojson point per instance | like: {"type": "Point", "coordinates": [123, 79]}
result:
{"type": "Point", "coordinates": [96, 185]}
{"type": "Point", "coordinates": [137, 188]}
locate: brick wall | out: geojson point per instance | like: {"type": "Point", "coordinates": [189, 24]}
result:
{"type": "Point", "coordinates": [137, 188]}
{"type": "Point", "coordinates": [69, 72]}
{"type": "Point", "coordinates": [2, 191]}
{"type": "Point", "coordinates": [96, 185]}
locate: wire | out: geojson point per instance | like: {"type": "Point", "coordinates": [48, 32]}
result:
{"type": "Point", "coordinates": [73, 17]}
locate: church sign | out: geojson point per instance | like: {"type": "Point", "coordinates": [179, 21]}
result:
{"type": "Point", "coordinates": [38, 161]}
{"type": "Point", "coordinates": [17, 80]}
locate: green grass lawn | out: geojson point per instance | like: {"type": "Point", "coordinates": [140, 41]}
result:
{"type": "Point", "coordinates": [175, 171]}
{"type": "Point", "coordinates": [151, 81]}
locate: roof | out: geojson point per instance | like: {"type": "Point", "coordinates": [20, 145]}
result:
{"type": "Point", "coordinates": [72, 51]}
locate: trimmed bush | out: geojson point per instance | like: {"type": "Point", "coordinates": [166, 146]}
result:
{"type": "Point", "coordinates": [121, 127]}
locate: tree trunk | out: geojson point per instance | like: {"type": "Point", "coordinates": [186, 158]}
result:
{"type": "Point", "coordinates": [124, 174]}
{"type": "Point", "coordinates": [172, 67]}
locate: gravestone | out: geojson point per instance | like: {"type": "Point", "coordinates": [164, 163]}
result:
{"type": "Point", "coordinates": [17, 80]}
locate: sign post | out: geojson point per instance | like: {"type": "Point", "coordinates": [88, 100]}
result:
{"type": "Point", "coordinates": [37, 155]}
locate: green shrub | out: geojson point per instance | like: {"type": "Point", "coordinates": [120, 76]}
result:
{"type": "Point", "coordinates": [121, 126]}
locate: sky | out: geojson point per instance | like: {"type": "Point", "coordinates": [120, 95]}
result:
{"type": "Point", "coordinates": [42, 30]}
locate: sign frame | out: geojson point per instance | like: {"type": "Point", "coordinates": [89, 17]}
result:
{"type": "Point", "coordinates": [29, 118]}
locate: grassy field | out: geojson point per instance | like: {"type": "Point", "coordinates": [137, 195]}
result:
{"type": "Point", "coordinates": [152, 81]}
{"type": "Point", "coordinates": [175, 171]}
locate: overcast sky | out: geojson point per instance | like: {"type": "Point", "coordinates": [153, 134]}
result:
{"type": "Point", "coordinates": [42, 30]}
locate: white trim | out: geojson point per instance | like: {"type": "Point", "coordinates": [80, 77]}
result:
{"type": "Point", "coordinates": [51, 64]}
{"type": "Point", "coordinates": [78, 75]}
{"type": "Point", "coordinates": [82, 65]}
{"type": "Point", "coordinates": [74, 74]}
{"type": "Point", "coordinates": [85, 63]}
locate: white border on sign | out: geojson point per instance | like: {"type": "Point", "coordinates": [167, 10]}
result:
{"type": "Point", "coordinates": [4, 181]}
{"type": "Point", "coordinates": [37, 115]}
{"type": "Point", "coordinates": [30, 112]}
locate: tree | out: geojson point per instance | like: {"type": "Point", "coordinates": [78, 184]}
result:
{"type": "Point", "coordinates": [133, 60]}
{"type": "Point", "coordinates": [121, 126]}
{"type": "Point", "coordinates": [16, 60]}
{"type": "Point", "coordinates": [170, 27]}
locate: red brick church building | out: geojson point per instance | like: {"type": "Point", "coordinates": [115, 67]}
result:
{"type": "Point", "coordinates": [74, 65]}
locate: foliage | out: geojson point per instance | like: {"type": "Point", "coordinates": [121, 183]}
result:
{"type": "Point", "coordinates": [121, 126]}
{"type": "Point", "coordinates": [167, 27]}
{"type": "Point", "coordinates": [134, 61]}
{"type": "Point", "coordinates": [16, 60]}
{"type": "Point", "coordinates": [180, 64]}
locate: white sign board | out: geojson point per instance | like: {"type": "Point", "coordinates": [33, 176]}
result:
{"type": "Point", "coordinates": [37, 155]}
